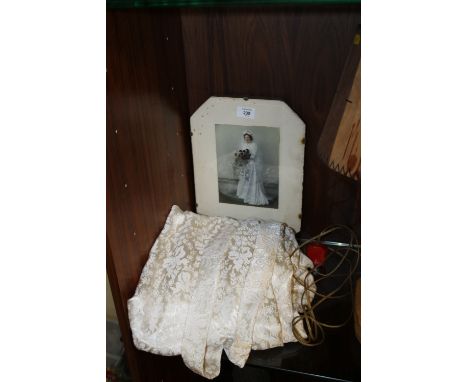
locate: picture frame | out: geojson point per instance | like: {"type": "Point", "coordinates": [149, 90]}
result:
{"type": "Point", "coordinates": [248, 157]}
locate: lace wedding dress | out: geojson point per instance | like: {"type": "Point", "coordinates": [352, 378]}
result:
{"type": "Point", "coordinates": [213, 284]}
{"type": "Point", "coordinates": [250, 187]}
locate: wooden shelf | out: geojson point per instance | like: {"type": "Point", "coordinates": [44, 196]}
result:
{"type": "Point", "coordinates": [337, 359]}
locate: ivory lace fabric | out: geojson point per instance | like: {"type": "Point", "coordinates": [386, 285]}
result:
{"type": "Point", "coordinates": [213, 284]}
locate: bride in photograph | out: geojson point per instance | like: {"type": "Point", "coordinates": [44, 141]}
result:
{"type": "Point", "coordinates": [250, 187]}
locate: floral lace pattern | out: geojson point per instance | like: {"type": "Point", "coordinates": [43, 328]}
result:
{"type": "Point", "coordinates": [213, 284]}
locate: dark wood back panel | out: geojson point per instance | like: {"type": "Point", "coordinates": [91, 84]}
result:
{"type": "Point", "coordinates": [293, 54]}
{"type": "Point", "coordinates": [162, 65]}
{"type": "Point", "coordinates": [148, 147]}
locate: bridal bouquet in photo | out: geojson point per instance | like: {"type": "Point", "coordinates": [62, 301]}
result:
{"type": "Point", "coordinates": [243, 154]}
{"type": "Point", "coordinates": [241, 158]}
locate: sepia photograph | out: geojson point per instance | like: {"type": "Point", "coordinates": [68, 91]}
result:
{"type": "Point", "coordinates": [248, 165]}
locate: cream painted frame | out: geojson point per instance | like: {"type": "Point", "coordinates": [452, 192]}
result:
{"type": "Point", "coordinates": [271, 113]}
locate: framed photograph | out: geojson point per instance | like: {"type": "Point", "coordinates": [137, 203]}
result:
{"type": "Point", "coordinates": [248, 157]}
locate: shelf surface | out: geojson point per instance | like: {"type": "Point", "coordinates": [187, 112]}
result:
{"type": "Point", "coordinates": [337, 359]}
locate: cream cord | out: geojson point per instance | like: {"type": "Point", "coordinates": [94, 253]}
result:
{"type": "Point", "coordinates": [309, 301]}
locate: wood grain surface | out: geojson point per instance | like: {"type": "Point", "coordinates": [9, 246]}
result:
{"type": "Point", "coordinates": [162, 65]}
{"type": "Point", "coordinates": [335, 146]}
{"type": "Point", "coordinates": [148, 149]}
{"type": "Point", "coordinates": [293, 54]}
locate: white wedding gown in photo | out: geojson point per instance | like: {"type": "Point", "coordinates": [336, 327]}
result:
{"type": "Point", "coordinates": [250, 187]}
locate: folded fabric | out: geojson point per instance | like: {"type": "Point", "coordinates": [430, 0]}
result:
{"type": "Point", "coordinates": [213, 284]}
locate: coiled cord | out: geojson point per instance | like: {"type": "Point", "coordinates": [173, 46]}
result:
{"type": "Point", "coordinates": [311, 298]}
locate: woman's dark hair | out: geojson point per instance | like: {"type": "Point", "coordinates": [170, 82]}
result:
{"type": "Point", "coordinates": [251, 138]}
